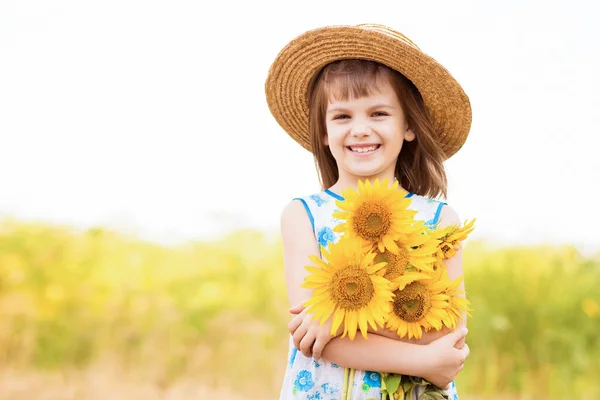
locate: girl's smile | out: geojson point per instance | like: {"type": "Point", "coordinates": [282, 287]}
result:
{"type": "Point", "coordinates": [362, 150]}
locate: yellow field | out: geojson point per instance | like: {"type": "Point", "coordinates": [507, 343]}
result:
{"type": "Point", "coordinates": [101, 315]}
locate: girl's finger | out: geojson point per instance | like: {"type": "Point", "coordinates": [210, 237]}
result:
{"type": "Point", "coordinates": [306, 344]}
{"type": "Point", "coordinates": [318, 347]}
{"type": "Point", "coordinates": [299, 335]}
{"type": "Point", "coordinates": [466, 350]}
{"type": "Point", "coordinates": [297, 309]}
{"type": "Point", "coordinates": [294, 323]}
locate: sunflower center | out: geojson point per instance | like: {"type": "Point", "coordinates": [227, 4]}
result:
{"type": "Point", "coordinates": [351, 288]}
{"type": "Point", "coordinates": [412, 303]}
{"type": "Point", "coordinates": [396, 263]}
{"type": "Point", "coordinates": [372, 221]}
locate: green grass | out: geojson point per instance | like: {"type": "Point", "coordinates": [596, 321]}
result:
{"type": "Point", "coordinates": [217, 311]}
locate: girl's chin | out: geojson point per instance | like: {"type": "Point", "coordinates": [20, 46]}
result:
{"type": "Point", "coordinates": [365, 172]}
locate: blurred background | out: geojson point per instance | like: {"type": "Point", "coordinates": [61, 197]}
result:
{"type": "Point", "coordinates": [142, 179]}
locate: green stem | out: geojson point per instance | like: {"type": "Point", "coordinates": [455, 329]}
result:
{"type": "Point", "coordinates": [350, 383]}
{"type": "Point", "coordinates": [345, 391]}
{"type": "Point", "coordinates": [411, 392]}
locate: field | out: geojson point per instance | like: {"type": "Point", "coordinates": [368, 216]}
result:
{"type": "Point", "coordinates": [99, 314]}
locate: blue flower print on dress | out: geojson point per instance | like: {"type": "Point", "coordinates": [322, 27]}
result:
{"type": "Point", "coordinates": [304, 381]}
{"type": "Point", "coordinates": [293, 356]}
{"type": "Point", "coordinates": [316, 363]}
{"type": "Point", "coordinates": [334, 365]}
{"type": "Point", "coordinates": [329, 389]}
{"type": "Point", "coordinates": [316, 396]}
{"type": "Point", "coordinates": [319, 200]}
{"type": "Point", "coordinates": [325, 236]}
{"type": "Point", "coordinates": [372, 379]}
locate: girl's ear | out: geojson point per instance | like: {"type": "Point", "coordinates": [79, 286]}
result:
{"type": "Point", "coordinates": [325, 141]}
{"type": "Point", "coordinates": [409, 135]}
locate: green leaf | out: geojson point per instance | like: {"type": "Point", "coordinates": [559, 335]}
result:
{"type": "Point", "coordinates": [391, 382]}
{"type": "Point", "coordinates": [433, 393]}
{"type": "Point", "coordinates": [419, 381]}
{"type": "Point", "coordinates": [432, 396]}
{"type": "Point", "coordinates": [383, 386]}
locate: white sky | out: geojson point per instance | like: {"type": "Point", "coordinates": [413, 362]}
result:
{"type": "Point", "coordinates": [150, 116]}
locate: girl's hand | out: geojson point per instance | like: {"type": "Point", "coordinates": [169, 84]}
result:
{"type": "Point", "coordinates": [445, 358]}
{"type": "Point", "coordinates": [310, 337]}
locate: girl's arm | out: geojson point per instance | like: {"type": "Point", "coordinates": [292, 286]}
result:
{"type": "Point", "coordinates": [438, 362]}
{"type": "Point", "coordinates": [377, 353]}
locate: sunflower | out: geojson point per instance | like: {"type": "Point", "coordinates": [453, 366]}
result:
{"type": "Point", "coordinates": [420, 305]}
{"type": "Point", "coordinates": [378, 214]}
{"type": "Point", "coordinates": [347, 286]}
{"type": "Point", "coordinates": [458, 304]}
{"type": "Point", "coordinates": [450, 238]}
{"type": "Point", "coordinates": [417, 253]}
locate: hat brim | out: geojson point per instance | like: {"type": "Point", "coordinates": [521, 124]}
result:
{"type": "Point", "coordinates": [290, 74]}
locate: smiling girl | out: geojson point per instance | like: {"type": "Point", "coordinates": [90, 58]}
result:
{"type": "Point", "coordinates": [369, 105]}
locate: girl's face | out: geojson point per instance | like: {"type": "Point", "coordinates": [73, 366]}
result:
{"type": "Point", "coordinates": [365, 134]}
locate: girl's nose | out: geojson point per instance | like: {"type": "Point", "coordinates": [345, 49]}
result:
{"type": "Point", "coordinates": [361, 130]}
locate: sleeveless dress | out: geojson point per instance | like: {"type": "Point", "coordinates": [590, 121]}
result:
{"type": "Point", "coordinates": [308, 379]}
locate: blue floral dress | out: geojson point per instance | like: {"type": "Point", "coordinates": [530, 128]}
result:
{"type": "Point", "coordinates": [308, 379]}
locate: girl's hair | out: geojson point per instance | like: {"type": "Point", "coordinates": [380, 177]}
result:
{"type": "Point", "coordinates": [419, 168]}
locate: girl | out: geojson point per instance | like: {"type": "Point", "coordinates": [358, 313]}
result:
{"type": "Point", "coordinates": [368, 104]}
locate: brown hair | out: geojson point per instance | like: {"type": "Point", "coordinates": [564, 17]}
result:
{"type": "Point", "coordinates": [419, 168]}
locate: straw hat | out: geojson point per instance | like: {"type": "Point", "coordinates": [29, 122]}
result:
{"type": "Point", "coordinates": [291, 72]}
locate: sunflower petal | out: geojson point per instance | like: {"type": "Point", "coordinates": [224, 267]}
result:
{"type": "Point", "coordinates": [338, 317]}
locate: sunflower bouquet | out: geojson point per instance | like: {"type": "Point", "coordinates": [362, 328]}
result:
{"type": "Point", "coordinates": [387, 270]}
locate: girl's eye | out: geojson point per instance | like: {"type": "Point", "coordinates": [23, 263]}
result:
{"type": "Point", "coordinates": [379, 114]}
{"type": "Point", "coordinates": [341, 116]}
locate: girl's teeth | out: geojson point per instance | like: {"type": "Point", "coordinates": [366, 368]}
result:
{"type": "Point", "coordinates": [363, 149]}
